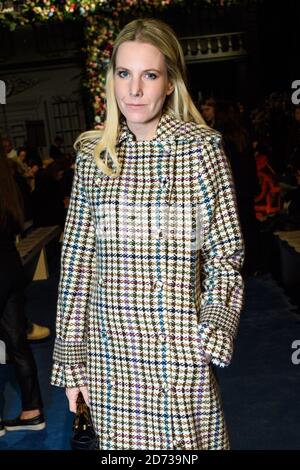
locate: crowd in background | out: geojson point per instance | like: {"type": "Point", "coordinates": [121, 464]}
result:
{"type": "Point", "coordinates": [266, 169]}
{"type": "Point", "coordinates": [44, 184]}
{"type": "Point", "coordinates": [265, 166]}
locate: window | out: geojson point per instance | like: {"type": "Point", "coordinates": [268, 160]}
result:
{"type": "Point", "coordinates": [67, 122]}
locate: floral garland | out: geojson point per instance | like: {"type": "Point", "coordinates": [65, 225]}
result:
{"type": "Point", "coordinates": [100, 33]}
{"type": "Point", "coordinates": [102, 18]}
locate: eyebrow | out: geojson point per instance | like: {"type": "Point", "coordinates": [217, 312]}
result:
{"type": "Point", "coordinates": [147, 70]}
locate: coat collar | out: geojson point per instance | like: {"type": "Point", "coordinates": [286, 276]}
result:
{"type": "Point", "coordinates": [168, 129]}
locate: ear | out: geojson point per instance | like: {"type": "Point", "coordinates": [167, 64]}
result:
{"type": "Point", "coordinates": [170, 88]}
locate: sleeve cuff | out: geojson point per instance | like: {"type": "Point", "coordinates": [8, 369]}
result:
{"type": "Point", "coordinates": [68, 352]}
{"type": "Point", "coordinates": [66, 375]}
{"type": "Point", "coordinates": [217, 343]}
{"type": "Point", "coordinates": [221, 317]}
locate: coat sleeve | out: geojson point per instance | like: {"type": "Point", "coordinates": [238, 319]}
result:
{"type": "Point", "coordinates": [77, 272]}
{"type": "Point", "coordinates": [222, 253]}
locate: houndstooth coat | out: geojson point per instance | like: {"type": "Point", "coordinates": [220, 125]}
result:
{"type": "Point", "coordinates": [150, 284]}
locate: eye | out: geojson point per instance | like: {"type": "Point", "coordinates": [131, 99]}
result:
{"type": "Point", "coordinates": [151, 75]}
{"type": "Point", "coordinates": [122, 73]}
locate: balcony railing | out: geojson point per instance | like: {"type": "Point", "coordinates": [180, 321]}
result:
{"type": "Point", "coordinates": [214, 47]}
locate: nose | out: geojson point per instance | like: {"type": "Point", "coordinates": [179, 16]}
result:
{"type": "Point", "coordinates": [135, 87]}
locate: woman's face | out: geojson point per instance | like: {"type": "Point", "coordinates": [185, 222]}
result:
{"type": "Point", "coordinates": [208, 112]}
{"type": "Point", "coordinates": [141, 85]}
{"type": "Point", "coordinates": [22, 155]}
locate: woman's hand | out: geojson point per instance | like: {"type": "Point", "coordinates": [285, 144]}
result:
{"type": "Point", "coordinates": [72, 394]}
{"type": "Point", "coordinates": [208, 358]}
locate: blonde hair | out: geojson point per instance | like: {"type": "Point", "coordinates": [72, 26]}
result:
{"type": "Point", "coordinates": [179, 102]}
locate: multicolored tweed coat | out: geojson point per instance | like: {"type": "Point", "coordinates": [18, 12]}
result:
{"type": "Point", "coordinates": [150, 284]}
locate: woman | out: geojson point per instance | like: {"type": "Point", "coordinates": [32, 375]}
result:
{"type": "Point", "coordinates": [148, 298]}
{"type": "Point", "coordinates": [13, 323]}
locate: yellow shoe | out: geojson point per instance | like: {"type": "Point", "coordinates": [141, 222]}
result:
{"type": "Point", "coordinates": [38, 332]}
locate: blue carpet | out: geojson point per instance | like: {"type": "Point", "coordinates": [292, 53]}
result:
{"type": "Point", "coordinates": [260, 389]}
{"type": "Point", "coordinates": [41, 308]}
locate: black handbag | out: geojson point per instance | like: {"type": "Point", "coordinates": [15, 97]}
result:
{"type": "Point", "coordinates": [83, 436]}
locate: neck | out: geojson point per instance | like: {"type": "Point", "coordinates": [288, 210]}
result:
{"type": "Point", "coordinates": [144, 131]}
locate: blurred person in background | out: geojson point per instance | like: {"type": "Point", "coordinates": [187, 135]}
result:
{"type": "Point", "coordinates": [48, 196]}
{"type": "Point", "coordinates": [55, 151]}
{"type": "Point", "coordinates": [239, 151]}
{"type": "Point", "coordinates": [8, 149]}
{"type": "Point", "coordinates": [13, 322]}
{"type": "Point", "coordinates": [292, 198]}
{"type": "Point", "coordinates": [268, 200]}
{"type": "Point", "coordinates": [207, 109]}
